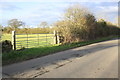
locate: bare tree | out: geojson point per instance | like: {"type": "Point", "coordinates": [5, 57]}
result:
{"type": "Point", "coordinates": [43, 24]}
{"type": "Point", "coordinates": [15, 23]}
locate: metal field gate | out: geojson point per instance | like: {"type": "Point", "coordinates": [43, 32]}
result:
{"type": "Point", "coordinates": [33, 40]}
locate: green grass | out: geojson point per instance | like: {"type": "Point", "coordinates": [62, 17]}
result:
{"type": "Point", "coordinates": [18, 56]}
{"type": "Point", "coordinates": [6, 37]}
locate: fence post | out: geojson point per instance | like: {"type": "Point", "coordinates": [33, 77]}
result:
{"type": "Point", "coordinates": [55, 37]}
{"type": "Point", "coordinates": [58, 40]}
{"type": "Point", "coordinates": [14, 40]}
{"type": "Point", "coordinates": [38, 39]}
{"type": "Point", "coordinates": [46, 40]}
{"type": "Point", "coordinates": [27, 40]}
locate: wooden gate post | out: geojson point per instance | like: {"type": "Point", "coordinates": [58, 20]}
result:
{"type": "Point", "coordinates": [55, 37]}
{"type": "Point", "coordinates": [14, 40]}
{"type": "Point", "coordinates": [58, 40]}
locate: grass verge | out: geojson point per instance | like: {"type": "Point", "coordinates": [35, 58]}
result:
{"type": "Point", "coordinates": [26, 54]}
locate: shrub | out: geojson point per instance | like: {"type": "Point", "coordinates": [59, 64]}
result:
{"type": "Point", "coordinates": [6, 46]}
{"type": "Point", "coordinates": [78, 25]}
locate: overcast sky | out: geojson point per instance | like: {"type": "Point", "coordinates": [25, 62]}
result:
{"type": "Point", "coordinates": [33, 13]}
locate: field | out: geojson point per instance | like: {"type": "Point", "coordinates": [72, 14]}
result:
{"type": "Point", "coordinates": [6, 37]}
{"type": "Point", "coordinates": [30, 40]}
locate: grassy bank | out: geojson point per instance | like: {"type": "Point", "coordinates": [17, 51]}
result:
{"type": "Point", "coordinates": [26, 54]}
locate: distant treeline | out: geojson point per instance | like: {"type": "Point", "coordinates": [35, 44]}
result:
{"type": "Point", "coordinates": [9, 30]}
{"type": "Point", "coordinates": [15, 24]}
